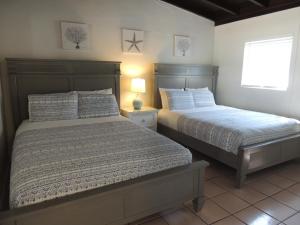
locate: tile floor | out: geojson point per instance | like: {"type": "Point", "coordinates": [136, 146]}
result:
{"type": "Point", "coordinates": [269, 197]}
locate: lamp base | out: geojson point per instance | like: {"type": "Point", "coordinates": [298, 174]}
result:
{"type": "Point", "coordinates": [137, 104]}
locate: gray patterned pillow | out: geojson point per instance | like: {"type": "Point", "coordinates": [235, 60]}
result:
{"type": "Point", "coordinates": [97, 105]}
{"type": "Point", "coordinates": [49, 107]}
{"type": "Point", "coordinates": [104, 92]}
{"type": "Point", "coordinates": [202, 97]}
{"type": "Point", "coordinates": [180, 100]}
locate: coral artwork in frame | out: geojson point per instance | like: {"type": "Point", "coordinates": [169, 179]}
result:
{"type": "Point", "coordinates": [182, 46]}
{"type": "Point", "coordinates": [74, 36]}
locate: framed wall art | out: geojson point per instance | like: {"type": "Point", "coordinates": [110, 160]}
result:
{"type": "Point", "coordinates": [182, 46]}
{"type": "Point", "coordinates": [133, 41]}
{"type": "Point", "coordinates": [74, 35]}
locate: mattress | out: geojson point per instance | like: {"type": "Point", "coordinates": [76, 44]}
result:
{"type": "Point", "coordinates": [228, 128]}
{"type": "Point", "coordinates": [60, 158]}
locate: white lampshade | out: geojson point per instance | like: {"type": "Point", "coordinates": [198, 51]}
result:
{"type": "Point", "coordinates": [138, 85]}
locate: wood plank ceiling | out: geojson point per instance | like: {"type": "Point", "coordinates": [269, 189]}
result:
{"type": "Point", "coordinates": [226, 11]}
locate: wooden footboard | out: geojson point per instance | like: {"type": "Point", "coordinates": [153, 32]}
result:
{"type": "Point", "coordinates": [260, 156]}
{"type": "Point", "coordinates": [120, 203]}
{"type": "Point", "coordinates": [250, 158]}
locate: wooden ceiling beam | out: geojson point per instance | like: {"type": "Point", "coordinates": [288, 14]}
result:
{"type": "Point", "coordinates": [192, 8]}
{"type": "Point", "coordinates": [260, 3]}
{"type": "Point", "coordinates": [222, 6]}
{"type": "Point", "coordinates": [283, 5]}
{"type": "Point", "coordinates": [214, 10]}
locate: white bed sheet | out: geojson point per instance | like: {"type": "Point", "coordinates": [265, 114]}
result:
{"type": "Point", "coordinates": [228, 128]}
{"type": "Point", "coordinates": [170, 118]}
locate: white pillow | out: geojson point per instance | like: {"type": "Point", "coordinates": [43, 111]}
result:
{"type": "Point", "coordinates": [163, 96]}
{"type": "Point", "coordinates": [179, 100]}
{"type": "Point", "coordinates": [202, 97]}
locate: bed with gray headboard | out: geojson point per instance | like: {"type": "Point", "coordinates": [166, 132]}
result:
{"type": "Point", "coordinates": [183, 76]}
{"type": "Point", "coordinates": [250, 158]}
{"type": "Point", "coordinates": [114, 204]}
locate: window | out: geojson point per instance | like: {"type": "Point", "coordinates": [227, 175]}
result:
{"type": "Point", "coordinates": [267, 63]}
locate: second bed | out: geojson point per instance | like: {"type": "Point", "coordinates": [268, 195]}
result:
{"type": "Point", "coordinates": [245, 140]}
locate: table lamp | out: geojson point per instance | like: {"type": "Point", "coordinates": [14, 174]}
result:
{"type": "Point", "coordinates": [138, 86]}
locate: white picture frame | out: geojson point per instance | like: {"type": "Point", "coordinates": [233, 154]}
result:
{"type": "Point", "coordinates": [182, 46]}
{"type": "Point", "coordinates": [133, 41]}
{"type": "Point", "coordinates": [75, 36]}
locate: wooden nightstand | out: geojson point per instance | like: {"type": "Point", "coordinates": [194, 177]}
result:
{"type": "Point", "coordinates": [146, 117]}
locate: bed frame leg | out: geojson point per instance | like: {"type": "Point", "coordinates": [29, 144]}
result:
{"type": "Point", "coordinates": [243, 164]}
{"type": "Point", "coordinates": [240, 178]}
{"type": "Point", "coordinates": [199, 180]}
{"type": "Point", "coordinates": [198, 203]}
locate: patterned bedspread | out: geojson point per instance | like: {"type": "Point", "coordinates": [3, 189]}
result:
{"type": "Point", "coordinates": [53, 162]}
{"type": "Point", "coordinates": [229, 128]}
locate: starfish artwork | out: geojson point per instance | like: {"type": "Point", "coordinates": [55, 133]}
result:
{"type": "Point", "coordinates": [134, 43]}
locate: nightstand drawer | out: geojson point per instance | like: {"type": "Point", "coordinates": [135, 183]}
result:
{"type": "Point", "coordinates": [145, 119]}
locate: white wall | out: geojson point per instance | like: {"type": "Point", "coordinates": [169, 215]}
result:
{"type": "Point", "coordinates": [31, 28]}
{"type": "Point", "coordinates": [228, 54]}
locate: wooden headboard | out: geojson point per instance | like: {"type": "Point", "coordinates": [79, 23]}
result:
{"type": "Point", "coordinates": [33, 76]}
{"type": "Point", "coordinates": [183, 76]}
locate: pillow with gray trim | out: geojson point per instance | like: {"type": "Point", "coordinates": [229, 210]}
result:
{"type": "Point", "coordinates": [179, 100]}
{"type": "Point", "coordinates": [49, 107]}
{"type": "Point", "coordinates": [202, 97]}
{"type": "Point", "coordinates": [104, 92]}
{"type": "Point", "coordinates": [163, 96]}
{"type": "Point", "coordinates": [97, 105]}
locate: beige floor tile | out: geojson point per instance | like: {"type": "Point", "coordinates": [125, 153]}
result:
{"type": "Point", "coordinates": [264, 187]}
{"type": "Point", "coordinates": [225, 170]}
{"type": "Point", "coordinates": [295, 189]}
{"type": "Point", "coordinates": [211, 212]}
{"type": "Point", "coordinates": [257, 176]}
{"type": "Point", "coordinates": [218, 170]}
{"type": "Point", "coordinates": [275, 209]}
{"type": "Point", "coordinates": [292, 176]}
{"type": "Point", "coordinates": [230, 202]}
{"type": "Point", "coordinates": [146, 219]}
{"type": "Point", "coordinates": [292, 172]}
{"type": "Point", "coordinates": [229, 221]}
{"type": "Point", "coordinates": [253, 216]}
{"type": "Point", "coordinates": [289, 199]}
{"type": "Point", "coordinates": [182, 216]}
{"type": "Point", "coordinates": [280, 181]}
{"type": "Point", "coordinates": [225, 182]}
{"type": "Point", "coordinates": [248, 194]}
{"type": "Point", "coordinates": [158, 221]}
{"type": "Point", "coordinates": [276, 169]}
{"type": "Point", "coordinates": [294, 220]}
{"type": "Point", "coordinates": [211, 172]}
{"type": "Point", "coordinates": [211, 189]}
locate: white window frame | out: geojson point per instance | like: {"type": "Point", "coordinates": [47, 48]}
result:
{"type": "Point", "coordinates": [285, 88]}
